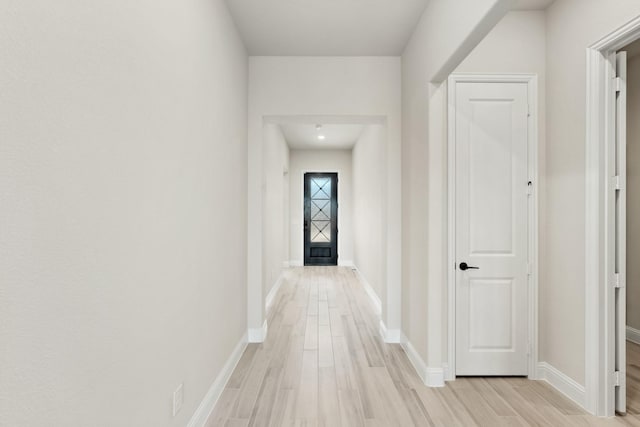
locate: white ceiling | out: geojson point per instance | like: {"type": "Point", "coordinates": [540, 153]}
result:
{"type": "Point", "coordinates": [532, 4]}
{"type": "Point", "coordinates": [326, 27]}
{"type": "Point", "coordinates": [333, 27]}
{"type": "Point", "coordinates": [305, 136]}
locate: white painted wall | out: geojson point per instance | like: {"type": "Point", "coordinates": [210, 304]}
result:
{"type": "Point", "coordinates": [633, 192]}
{"type": "Point", "coordinates": [368, 204]}
{"type": "Point", "coordinates": [321, 86]}
{"type": "Point", "coordinates": [122, 186]}
{"type": "Point", "coordinates": [447, 32]}
{"type": "Point", "coordinates": [572, 26]}
{"type": "Point", "coordinates": [275, 199]}
{"type": "Point", "coordinates": [339, 161]}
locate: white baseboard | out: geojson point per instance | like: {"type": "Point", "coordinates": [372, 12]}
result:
{"type": "Point", "coordinates": [448, 375]}
{"type": "Point", "coordinates": [414, 358]}
{"type": "Point", "coordinates": [199, 418]}
{"type": "Point", "coordinates": [268, 302]}
{"type": "Point", "coordinates": [346, 263]}
{"type": "Point", "coordinates": [375, 299]}
{"type": "Point", "coordinates": [633, 335]}
{"type": "Point", "coordinates": [430, 376]}
{"type": "Point", "coordinates": [258, 335]}
{"type": "Point", "coordinates": [563, 383]}
{"type": "Point", "coordinates": [285, 264]}
{"type": "Point", "coordinates": [390, 336]}
{"type": "Point", "coordinates": [296, 263]}
{"type": "Point", "coordinates": [435, 377]}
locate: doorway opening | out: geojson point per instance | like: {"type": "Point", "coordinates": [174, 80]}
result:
{"type": "Point", "coordinates": [630, 199]}
{"type": "Point", "coordinates": [608, 233]}
{"type": "Point", "coordinates": [320, 219]}
{"type": "Point", "coordinates": [493, 225]}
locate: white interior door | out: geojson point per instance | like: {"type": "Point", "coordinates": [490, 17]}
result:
{"type": "Point", "coordinates": [620, 231]}
{"type": "Point", "coordinates": [491, 141]}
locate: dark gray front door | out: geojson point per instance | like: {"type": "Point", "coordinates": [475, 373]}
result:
{"type": "Point", "coordinates": [321, 219]}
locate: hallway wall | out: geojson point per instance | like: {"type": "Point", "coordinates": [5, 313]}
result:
{"type": "Point", "coordinates": [275, 242]}
{"type": "Point", "coordinates": [572, 26]}
{"type": "Point", "coordinates": [368, 209]}
{"type": "Point", "coordinates": [123, 208]}
{"type": "Point", "coordinates": [354, 89]}
{"type": "Point", "coordinates": [447, 32]}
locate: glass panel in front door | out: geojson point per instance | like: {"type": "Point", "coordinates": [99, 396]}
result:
{"type": "Point", "coordinates": [320, 210]}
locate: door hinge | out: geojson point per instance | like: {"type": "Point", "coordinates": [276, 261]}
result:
{"type": "Point", "coordinates": [617, 183]}
{"type": "Point", "coordinates": [618, 84]}
{"type": "Point", "coordinates": [530, 188]}
{"type": "Point", "coordinates": [617, 379]}
{"type": "Point", "coordinates": [617, 283]}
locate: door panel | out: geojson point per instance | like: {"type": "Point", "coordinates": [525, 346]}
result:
{"type": "Point", "coordinates": [491, 131]}
{"type": "Point", "coordinates": [321, 219]}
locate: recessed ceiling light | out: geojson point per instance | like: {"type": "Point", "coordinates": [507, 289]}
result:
{"type": "Point", "coordinates": [321, 137]}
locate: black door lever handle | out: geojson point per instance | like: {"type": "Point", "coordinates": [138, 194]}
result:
{"type": "Point", "coordinates": [464, 267]}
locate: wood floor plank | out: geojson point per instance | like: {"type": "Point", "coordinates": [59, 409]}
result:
{"type": "Point", "coordinates": [265, 401]}
{"type": "Point", "coordinates": [351, 413]}
{"type": "Point", "coordinates": [325, 347]}
{"type": "Point", "coordinates": [242, 368]}
{"type": "Point", "coordinates": [328, 406]}
{"type": "Point", "coordinates": [251, 386]}
{"type": "Point", "coordinates": [307, 400]}
{"type": "Point", "coordinates": [311, 333]}
{"type": "Point", "coordinates": [223, 408]}
{"type": "Point", "coordinates": [335, 321]}
{"type": "Point", "coordinates": [345, 377]}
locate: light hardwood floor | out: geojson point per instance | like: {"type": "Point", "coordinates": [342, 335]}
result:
{"type": "Point", "coordinates": [324, 364]}
{"type": "Point", "coordinates": [633, 379]}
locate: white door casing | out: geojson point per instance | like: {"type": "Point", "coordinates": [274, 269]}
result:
{"type": "Point", "coordinates": [619, 202]}
{"type": "Point", "coordinates": [600, 219]}
{"type": "Point", "coordinates": [492, 231]}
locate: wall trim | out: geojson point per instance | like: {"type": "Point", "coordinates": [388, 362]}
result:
{"type": "Point", "coordinates": [390, 336]}
{"type": "Point", "coordinates": [448, 374]}
{"type": "Point", "coordinates": [258, 335]}
{"type": "Point", "coordinates": [435, 377]}
{"type": "Point", "coordinates": [563, 383]}
{"type": "Point", "coordinates": [285, 264]}
{"type": "Point", "coordinates": [633, 335]}
{"type": "Point", "coordinates": [346, 263]}
{"type": "Point", "coordinates": [375, 299]}
{"type": "Point", "coordinates": [272, 294]}
{"type": "Point", "coordinates": [430, 376]}
{"type": "Point", "coordinates": [414, 358]}
{"type": "Point", "coordinates": [296, 263]}
{"type": "Point", "coordinates": [202, 414]}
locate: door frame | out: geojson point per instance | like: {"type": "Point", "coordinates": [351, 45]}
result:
{"type": "Point", "coordinates": [337, 219]}
{"type": "Point", "coordinates": [599, 241]}
{"type": "Point", "coordinates": [531, 80]}
{"type": "Point", "coordinates": [338, 172]}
